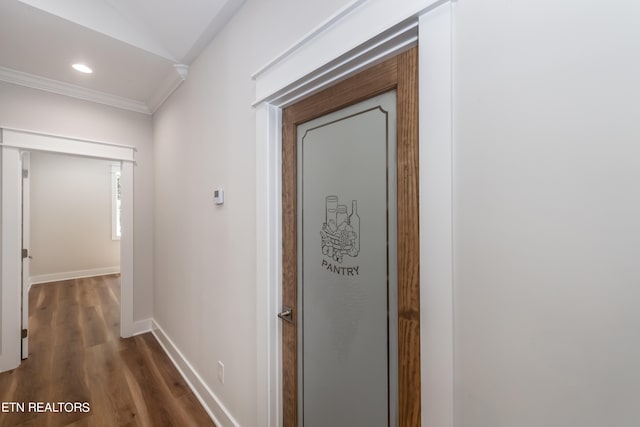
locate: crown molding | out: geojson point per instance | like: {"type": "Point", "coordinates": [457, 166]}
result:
{"type": "Point", "coordinates": [74, 91]}
{"type": "Point", "coordinates": [173, 80]}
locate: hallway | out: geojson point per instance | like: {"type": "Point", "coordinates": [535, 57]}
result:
{"type": "Point", "coordinates": [76, 355]}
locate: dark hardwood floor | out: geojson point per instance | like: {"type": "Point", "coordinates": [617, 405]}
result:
{"type": "Point", "coordinates": [76, 355]}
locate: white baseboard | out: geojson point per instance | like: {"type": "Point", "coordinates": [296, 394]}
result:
{"type": "Point", "coordinates": [79, 274]}
{"type": "Point", "coordinates": [142, 326]}
{"type": "Point", "coordinates": [218, 413]}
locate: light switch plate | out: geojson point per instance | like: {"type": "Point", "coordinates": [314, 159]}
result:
{"type": "Point", "coordinates": [218, 196]}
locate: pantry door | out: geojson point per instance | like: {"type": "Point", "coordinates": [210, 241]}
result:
{"type": "Point", "coordinates": [350, 307]}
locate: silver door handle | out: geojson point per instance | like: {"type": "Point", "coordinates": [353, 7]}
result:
{"type": "Point", "coordinates": [287, 314]}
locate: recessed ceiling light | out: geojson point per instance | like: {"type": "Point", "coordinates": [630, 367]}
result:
{"type": "Point", "coordinates": [82, 68]}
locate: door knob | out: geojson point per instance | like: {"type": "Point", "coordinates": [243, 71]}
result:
{"type": "Point", "coordinates": [287, 314]}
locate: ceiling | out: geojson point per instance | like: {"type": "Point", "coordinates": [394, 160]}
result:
{"type": "Point", "coordinates": [139, 50]}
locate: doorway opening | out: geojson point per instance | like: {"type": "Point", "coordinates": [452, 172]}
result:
{"type": "Point", "coordinates": [71, 232]}
{"type": "Point", "coordinates": [15, 145]}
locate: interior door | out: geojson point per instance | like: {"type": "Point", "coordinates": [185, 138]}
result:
{"type": "Point", "coordinates": [350, 252]}
{"type": "Point", "coordinates": [26, 255]}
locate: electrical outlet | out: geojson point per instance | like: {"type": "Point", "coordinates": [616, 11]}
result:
{"type": "Point", "coordinates": [221, 372]}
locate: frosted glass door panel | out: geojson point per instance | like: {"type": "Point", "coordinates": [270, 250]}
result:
{"type": "Point", "coordinates": [347, 317]}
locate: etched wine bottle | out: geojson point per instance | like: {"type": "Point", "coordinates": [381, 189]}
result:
{"type": "Point", "coordinates": [354, 222]}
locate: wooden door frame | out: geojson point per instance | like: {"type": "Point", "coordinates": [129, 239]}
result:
{"type": "Point", "coordinates": [399, 73]}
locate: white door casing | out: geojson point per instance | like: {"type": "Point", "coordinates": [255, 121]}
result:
{"type": "Point", "coordinates": [12, 144]}
{"type": "Point", "coordinates": [361, 34]}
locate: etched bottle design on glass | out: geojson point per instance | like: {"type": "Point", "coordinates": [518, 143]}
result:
{"type": "Point", "coordinates": [339, 236]}
{"type": "Point", "coordinates": [354, 222]}
{"type": "Point", "coordinates": [331, 206]}
{"type": "Point", "coordinates": [342, 216]}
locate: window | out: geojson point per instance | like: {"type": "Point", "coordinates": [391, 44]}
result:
{"type": "Point", "coordinates": [116, 201]}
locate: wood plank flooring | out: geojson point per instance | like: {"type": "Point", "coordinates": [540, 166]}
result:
{"type": "Point", "coordinates": [76, 355]}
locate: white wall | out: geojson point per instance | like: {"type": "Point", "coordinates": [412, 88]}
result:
{"type": "Point", "coordinates": [70, 216]}
{"type": "Point", "coordinates": [205, 294]}
{"type": "Point", "coordinates": [546, 205]}
{"type": "Point", "coordinates": [28, 109]}
{"type": "Point", "coordinates": [547, 209]}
